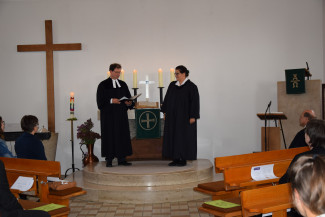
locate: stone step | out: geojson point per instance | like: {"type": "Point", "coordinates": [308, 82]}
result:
{"type": "Point", "coordinates": [143, 182]}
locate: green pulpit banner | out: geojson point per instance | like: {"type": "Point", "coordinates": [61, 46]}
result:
{"type": "Point", "coordinates": [295, 81]}
{"type": "Point", "coordinates": [147, 123]}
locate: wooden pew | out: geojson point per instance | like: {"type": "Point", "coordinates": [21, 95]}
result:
{"type": "Point", "coordinates": [61, 212]}
{"type": "Point", "coordinates": [217, 190]}
{"type": "Point", "coordinates": [39, 170]}
{"type": "Point", "coordinates": [256, 158]}
{"type": "Point", "coordinates": [240, 178]}
{"type": "Point", "coordinates": [275, 199]}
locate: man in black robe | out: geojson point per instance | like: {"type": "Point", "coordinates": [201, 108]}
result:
{"type": "Point", "coordinates": [181, 108]}
{"type": "Point", "coordinates": [299, 140]}
{"type": "Point", "coordinates": [114, 122]}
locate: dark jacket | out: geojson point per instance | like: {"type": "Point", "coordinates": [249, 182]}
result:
{"type": "Point", "coordinates": [29, 146]}
{"type": "Point", "coordinates": [317, 150]}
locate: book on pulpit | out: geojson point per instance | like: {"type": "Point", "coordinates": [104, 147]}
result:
{"type": "Point", "coordinates": [129, 99]}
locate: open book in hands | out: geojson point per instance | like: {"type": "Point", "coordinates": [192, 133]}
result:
{"type": "Point", "coordinates": [129, 99]}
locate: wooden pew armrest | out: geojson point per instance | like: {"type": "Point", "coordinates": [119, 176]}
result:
{"type": "Point", "coordinates": [247, 183]}
{"type": "Point", "coordinates": [63, 197]}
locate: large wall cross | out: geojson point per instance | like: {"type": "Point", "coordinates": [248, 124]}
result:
{"type": "Point", "coordinates": [49, 47]}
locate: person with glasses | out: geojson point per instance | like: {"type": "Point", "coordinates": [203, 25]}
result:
{"type": "Point", "coordinates": [181, 108]}
{"type": "Point", "coordinates": [114, 122]}
{"type": "Point", "coordinates": [4, 151]}
{"type": "Point", "coordinates": [28, 146]}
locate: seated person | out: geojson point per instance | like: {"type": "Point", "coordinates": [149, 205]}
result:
{"type": "Point", "coordinates": [9, 206]}
{"type": "Point", "coordinates": [27, 145]}
{"type": "Point", "coordinates": [4, 151]}
{"type": "Point", "coordinates": [299, 140]}
{"type": "Point", "coordinates": [315, 138]}
{"type": "Point", "coordinates": [307, 178]}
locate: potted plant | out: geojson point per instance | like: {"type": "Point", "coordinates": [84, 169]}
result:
{"type": "Point", "coordinates": [88, 138]}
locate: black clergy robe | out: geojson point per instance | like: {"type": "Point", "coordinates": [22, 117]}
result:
{"type": "Point", "coordinates": [299, 140]}
{"type": "Point", "coordinates": [180, 137]}
{"type": "Point", "coordinates": [114, 122]}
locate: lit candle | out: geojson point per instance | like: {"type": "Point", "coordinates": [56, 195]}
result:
{"type": "Point", "coordinates": [71, 104]}
{"type": "Point", "coordinates": [160, 77]}
{"type": "Point", "coordinates": [122, 75]}
{"type": "Point", "coordinates": [108, 74]}
{"type": "Point", "coordinates": [135, 85]}
{"type": "Point", "coordinates": [172, 74]}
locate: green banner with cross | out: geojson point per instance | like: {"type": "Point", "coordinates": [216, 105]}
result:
{"type": "Point", "coordinates": [147, 123]}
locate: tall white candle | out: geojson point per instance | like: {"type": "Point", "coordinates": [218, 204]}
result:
{"type": "Point", "coordinates": [172, 74]}
{"type": "Point", "coordinates": [135, 81]}
{"type": "Point", "coordinates": [122, 75]}
{"type": "Point", "coordinates": [160, 77]}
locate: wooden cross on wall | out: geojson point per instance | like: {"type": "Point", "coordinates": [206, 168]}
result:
{"type": "Point", "coordinates": [49, 47]}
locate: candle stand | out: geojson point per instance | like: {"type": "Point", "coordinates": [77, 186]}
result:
{"type": "Point", "coordinates": [161, 95]}
{"type": "Point", "coordinates": [135, 91]}
{"type": "Point", "coordinates": [72, 146]}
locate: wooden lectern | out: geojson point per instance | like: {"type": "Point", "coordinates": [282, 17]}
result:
{"type": "Point", "coordinates": [272, 140]}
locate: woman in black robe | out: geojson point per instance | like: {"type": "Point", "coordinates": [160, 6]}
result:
{"type": "Point", "coordinates": [181, 108]}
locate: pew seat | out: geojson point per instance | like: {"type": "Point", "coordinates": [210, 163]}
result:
{"type": "Point", "coordinates": [223, 212]}
{"type": "Point", "coordinates": [61, 212]}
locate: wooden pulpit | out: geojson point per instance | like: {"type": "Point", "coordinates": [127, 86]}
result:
{"type": "Point", "coordinates": [271, 135]}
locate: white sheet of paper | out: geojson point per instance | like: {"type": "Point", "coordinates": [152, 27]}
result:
{"type": "Point", "coordinates": [23, 183]}
{"type": "Point", "coordinates": [264, 172]}
{"type": "Point", "coordinates": [56, 179]}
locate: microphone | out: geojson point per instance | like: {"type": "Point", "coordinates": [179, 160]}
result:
{"type": "Point", "coordinates": [307, 66]}
{"type": "Point", "coordinates": [268, 106]}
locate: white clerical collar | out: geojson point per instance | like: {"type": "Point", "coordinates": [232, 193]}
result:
{"type": "Point", "coordinates": [177, 83]}
{"type": "Point", "coordinates": [115, 81]}
{"type": "Point", "coordinates": [322, 215]}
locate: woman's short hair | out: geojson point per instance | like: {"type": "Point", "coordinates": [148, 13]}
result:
{"type": "Point", "coordinates": [315, 129]}
{"type": "Point", "coordinates": [182, 69]}
{"type": "Point", "coordinates": [28, 122]}
{"type": "Point", "coordinates": [114, 66]}
{"type": "Point", "coordinates": [307, 177]}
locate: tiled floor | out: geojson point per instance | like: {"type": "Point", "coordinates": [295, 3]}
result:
{"type": "Point", "coordinates": [100, 209]}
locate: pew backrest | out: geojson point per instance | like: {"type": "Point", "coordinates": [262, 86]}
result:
{"type": "Point", "coordinates": [38, 169]}
{"type": "Point", "coordinates": [256, 158]}
{"type": "Point", "coordinates": [275, 199]}
{"type": "Point", "coordinates": [240, 176]}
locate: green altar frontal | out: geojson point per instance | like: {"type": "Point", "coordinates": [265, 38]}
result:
{"type": "Point", "coordinates": [147, 123]}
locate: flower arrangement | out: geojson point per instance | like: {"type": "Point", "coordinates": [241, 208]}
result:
{"type": "Point", "coordinates": [85, 133]}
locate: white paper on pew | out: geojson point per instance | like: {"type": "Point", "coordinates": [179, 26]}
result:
{"type": "Point", "coordinates": [264, 172]}
{"type": "Point", "coordinates": [23, 183]}
{"type": "Point", "coordinates": [56, 179]}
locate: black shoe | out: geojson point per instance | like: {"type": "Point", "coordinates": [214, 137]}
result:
{"type": "Point", "coordinates": [181, 163]}
{"type": "Point", "coordinates": [124, 163]}
{"type": "Point", "coordinates": [109, 164]}
{"type": "Point", "coordinates": [173, 163]}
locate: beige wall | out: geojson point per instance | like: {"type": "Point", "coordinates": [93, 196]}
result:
{"type": "Point", "coordinates": [293, 104]}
